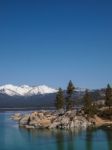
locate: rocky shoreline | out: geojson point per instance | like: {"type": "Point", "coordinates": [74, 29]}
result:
{"type": "Point", "coordinates": [51, 120]}
{"type": "Point", "coordinates": [58, 119]}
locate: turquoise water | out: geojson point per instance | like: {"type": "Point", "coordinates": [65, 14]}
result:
{"type": "Point", "coordinates": [14, 138]}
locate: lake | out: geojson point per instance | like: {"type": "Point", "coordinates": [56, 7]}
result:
{"type": "Point", "coordinates": [14, 138]}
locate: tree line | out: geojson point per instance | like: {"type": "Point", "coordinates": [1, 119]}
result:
{"type": "Point", "coordinates": [64, 99]}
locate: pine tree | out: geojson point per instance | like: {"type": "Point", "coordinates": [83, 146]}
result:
{"type": "Point", "coordinates": [59, 103]}
{"type": "Point", "coordinates": [89, 107]}
{"type": "Point", "coordinates": [70, 91]}
{"type": "Point", "coordinates": [108, 95]}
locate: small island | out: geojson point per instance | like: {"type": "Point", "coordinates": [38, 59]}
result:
{"type": "Point", "coordinates": [66, 116]}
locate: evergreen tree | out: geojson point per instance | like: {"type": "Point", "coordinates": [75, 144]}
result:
{"type": "Point", "coordinates": [89, 107]}
{"type": "Point", "coordinates": [70, 91]}
{"type": "Point", "coordinates": [108, 95]}
{"type": "Point", "coordinates": [59, 103]}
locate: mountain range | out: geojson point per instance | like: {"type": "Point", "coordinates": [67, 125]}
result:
{"type": "Point", "coordinates": [25, 90]}
{"type": "Point", "coordinates": [25, 96]}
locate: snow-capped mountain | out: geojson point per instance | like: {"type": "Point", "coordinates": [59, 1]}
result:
{"type": "Point", "coordinates": [78, 89]}
{"type": "Point", "coordinates": [38, 96]}
{"type": "Point", "coordinates": [25, 90]}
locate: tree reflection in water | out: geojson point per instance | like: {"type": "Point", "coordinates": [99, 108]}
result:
{"type": "Point", "coordinates": [108, 132]}
{"type": "Point", "coordinates": [97, 136]}
{"type": "Point", "coordinates": [91, 139]}
{"type": "Point", "coordinates": [61, 138]}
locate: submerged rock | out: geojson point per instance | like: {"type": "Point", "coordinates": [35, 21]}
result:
{"type": "Point", "coordinates": [29, 127]}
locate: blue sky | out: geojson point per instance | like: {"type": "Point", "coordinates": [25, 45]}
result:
{"type": "Point", "coordinates": [53, 41]}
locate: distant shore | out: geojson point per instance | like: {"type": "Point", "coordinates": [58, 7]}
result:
{"type": "Point", "coordinates": [27, 108]}
{"type": "Point", "coordinates": [32, 108]}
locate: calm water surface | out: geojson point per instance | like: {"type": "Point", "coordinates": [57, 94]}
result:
{"type": "Point", "coordinates": [14, 138]}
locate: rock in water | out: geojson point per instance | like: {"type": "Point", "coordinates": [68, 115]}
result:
{"type": "Point", "coordinates": [24, 120]}
{"type": "Point", "coordinates": [16, 116]}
